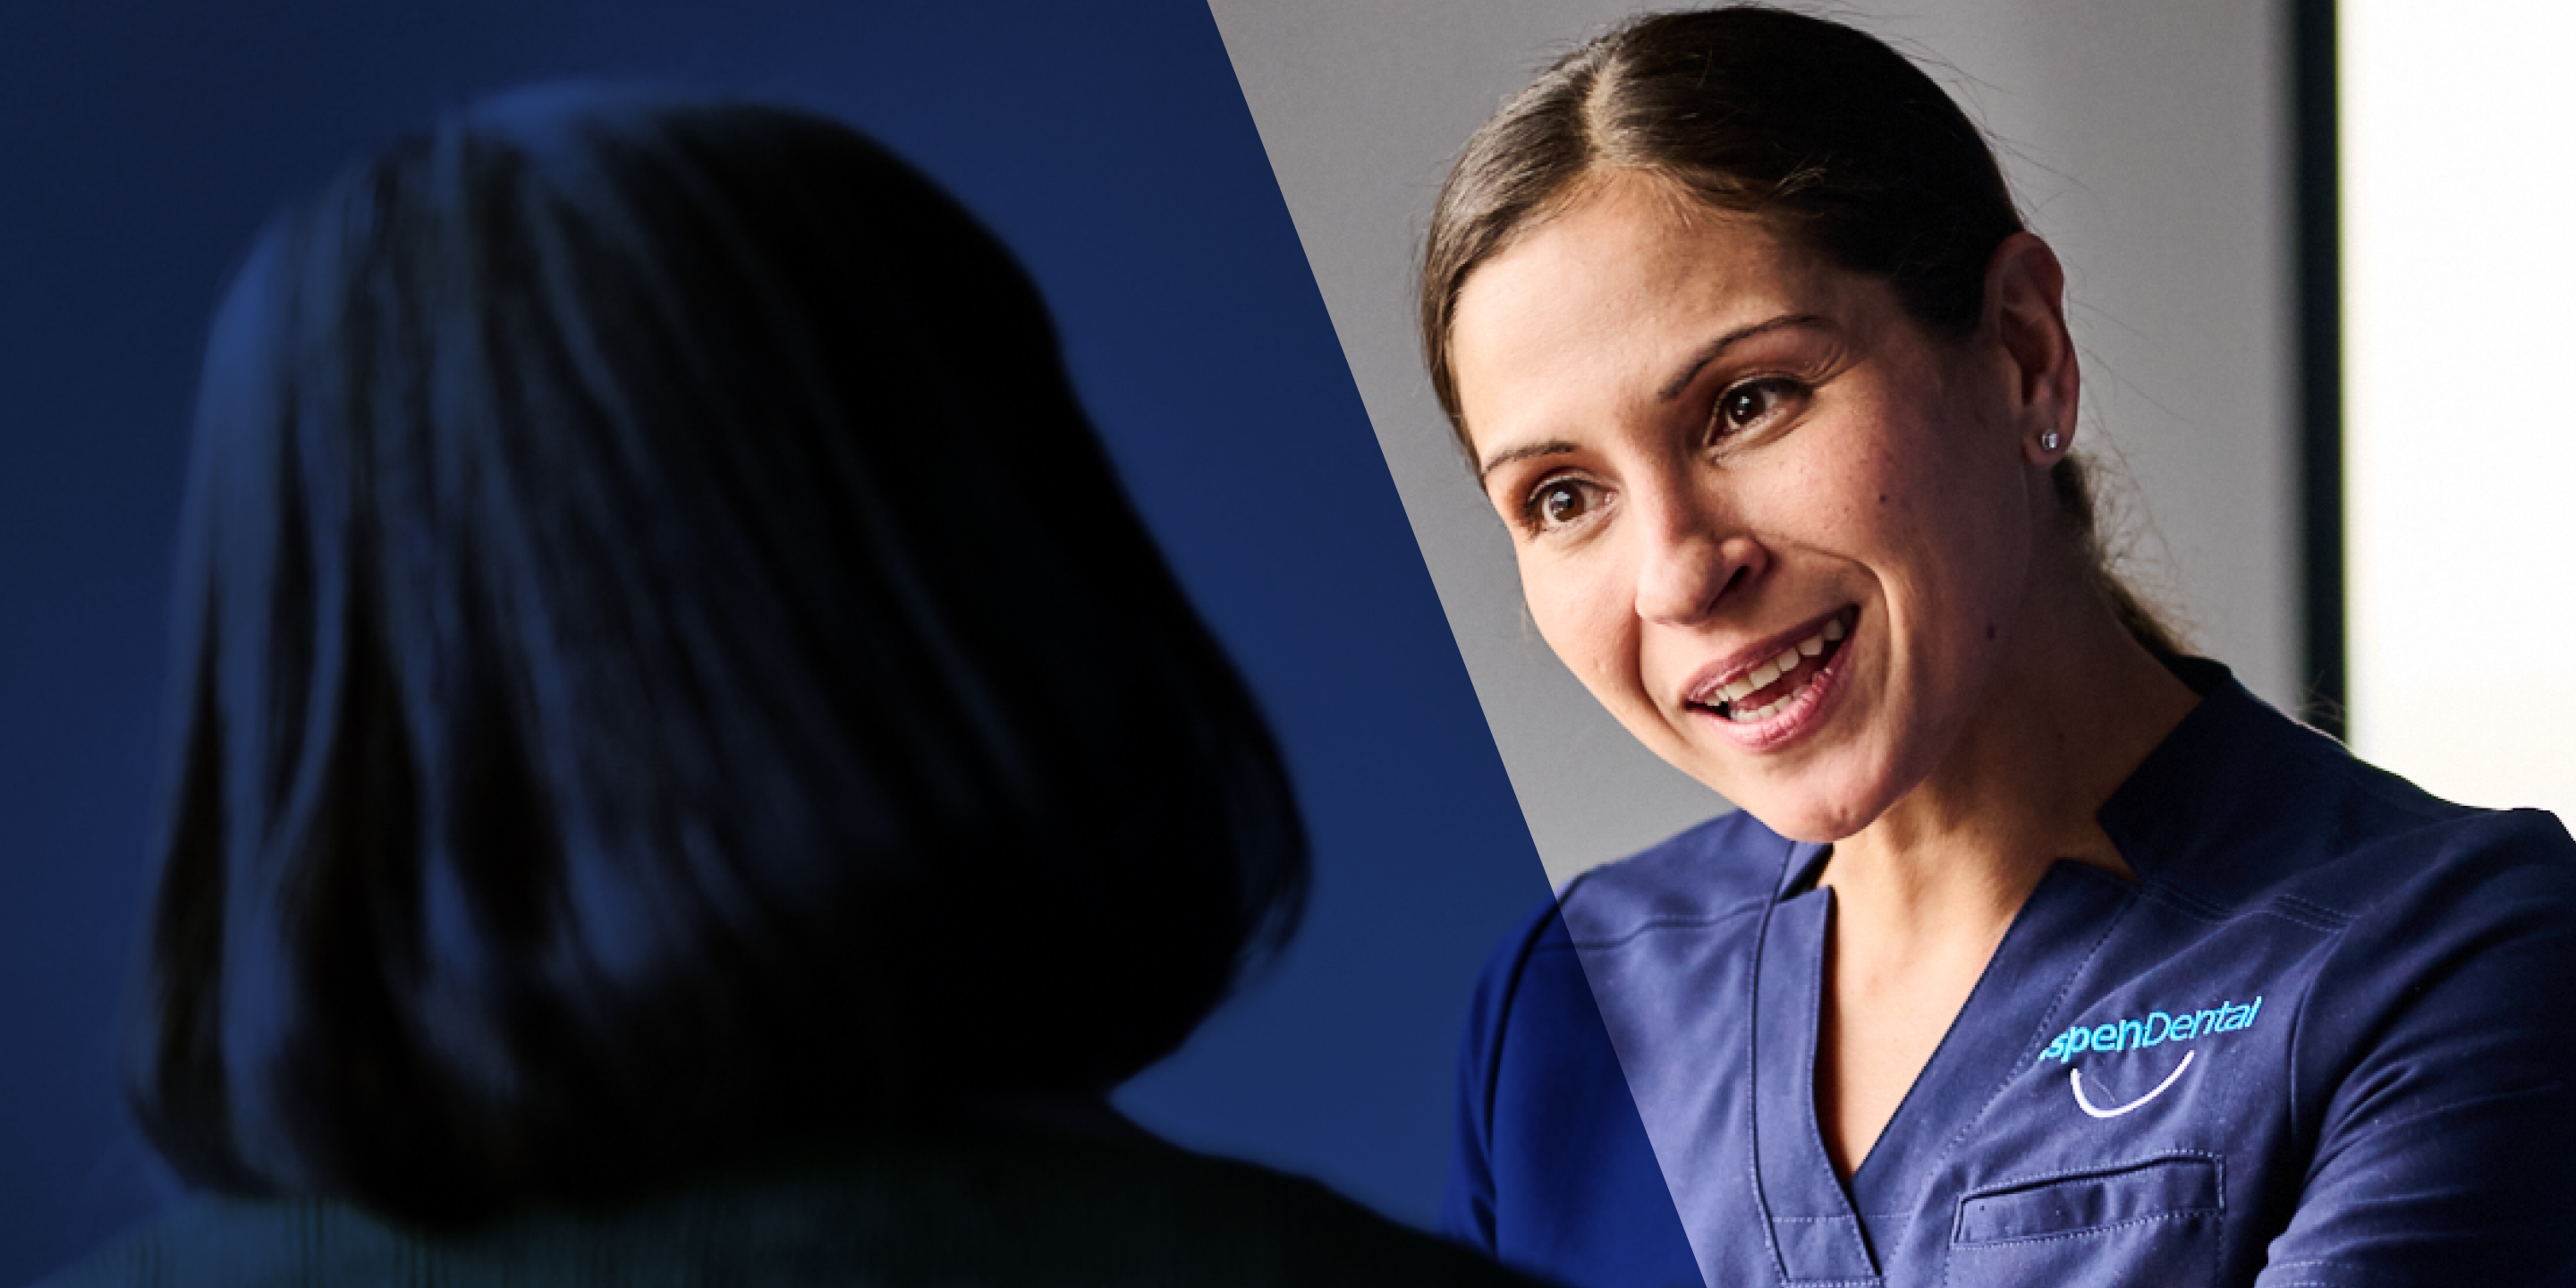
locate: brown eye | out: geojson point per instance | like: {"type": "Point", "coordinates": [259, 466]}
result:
{"type": "Point", "coordinates": [1561, 501]}
{"type": "Point", "coordinates": [1751, 404]}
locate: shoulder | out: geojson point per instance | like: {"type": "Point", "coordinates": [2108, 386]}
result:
{"type": "Point", "coordinates": [2383, 847]}
{"type": "Point", "coordinates": [1722, 869]}
{"type": "Point", "coordinates": [212, 1241]}
{"type": "Point", "coordinates": [2244, 809]}
{"type": "Point", "coordinates": [1542, 978]}
{"type": "Point", "coordinates": [2436, 943]}
{"type": "Point", "coordinates": [1187, 1218]}
{"type": "Point", "coordinates": [1002, 1209]}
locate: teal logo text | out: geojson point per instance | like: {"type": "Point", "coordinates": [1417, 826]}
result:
{"type": "Point", "coordinates": [2155, 1028]}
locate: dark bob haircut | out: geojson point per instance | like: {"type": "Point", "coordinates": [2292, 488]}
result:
{"type": "Point", "coordinates": [665, 675]}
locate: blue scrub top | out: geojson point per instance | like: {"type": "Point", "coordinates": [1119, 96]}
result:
{"type": "Point", "coordinates": [2328, 1037]}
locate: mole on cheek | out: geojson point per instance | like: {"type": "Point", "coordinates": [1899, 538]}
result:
{"type": "Point", "coordinates": [1990, 632]}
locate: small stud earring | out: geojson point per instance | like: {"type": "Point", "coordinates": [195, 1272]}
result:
{"type": "Point", "coordinates": [2048, 441]}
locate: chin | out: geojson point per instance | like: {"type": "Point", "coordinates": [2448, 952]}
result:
{"type": "Point", "coordinates": [1815, 826]}
{"type": "Point", "coordinates": [1804, 810]}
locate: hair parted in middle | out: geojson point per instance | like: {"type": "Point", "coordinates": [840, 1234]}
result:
{"type": "Point", "coordinates": [1833, 139]}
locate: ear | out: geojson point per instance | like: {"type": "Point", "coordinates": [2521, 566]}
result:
{"type": "Point", "coordinates": [2026, 313]}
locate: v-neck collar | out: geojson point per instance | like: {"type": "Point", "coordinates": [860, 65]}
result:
{"type": "Point", "coordinates": [1814, 1231]}
{"type": "Point", "coordinates": [1715, 943]}
{"type": "Point", "coordinates": [1823, 1229]}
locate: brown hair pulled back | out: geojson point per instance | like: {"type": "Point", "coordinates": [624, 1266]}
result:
{"type": "Point", "coordinates": [1835, 139]}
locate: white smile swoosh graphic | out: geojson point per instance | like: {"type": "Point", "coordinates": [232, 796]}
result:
{"type": "Point", "coordinates": [2075, 1078]}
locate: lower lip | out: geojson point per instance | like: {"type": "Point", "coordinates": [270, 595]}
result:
{"type": "Point", "coordinates": [1794, 718]}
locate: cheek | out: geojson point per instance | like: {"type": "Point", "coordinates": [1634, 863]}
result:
{"type": "Point", "coordinates": [1962, 521]}
{"type": "Point", "coordinates": [1952, 560]}
{"type": "Point", "coordinates": [1581, 608]}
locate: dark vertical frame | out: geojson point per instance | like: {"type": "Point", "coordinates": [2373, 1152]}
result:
{"type": "Point", "coordinates": [2319, 287]}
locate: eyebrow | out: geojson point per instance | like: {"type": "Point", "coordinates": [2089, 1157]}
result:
{"type": "Point", "coordinates": [1552, 447]}
{"type": "Point", "coordinates": [1672, 389]}
{"type": "Point", "coordinates": [1717, 348]}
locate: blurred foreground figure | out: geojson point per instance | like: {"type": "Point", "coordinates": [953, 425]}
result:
{"type": "Point", "coordinates": [684, 765]}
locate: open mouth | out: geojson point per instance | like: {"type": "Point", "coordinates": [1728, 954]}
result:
{"type": "Point", "coordinates": [1771, 686]}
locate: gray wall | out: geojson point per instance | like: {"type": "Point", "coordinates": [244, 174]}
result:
{"type": "Point", "coordinates": [2147, 142]}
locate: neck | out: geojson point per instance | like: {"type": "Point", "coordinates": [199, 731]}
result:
{"type": "Point", "coordinates": [2080, 705]}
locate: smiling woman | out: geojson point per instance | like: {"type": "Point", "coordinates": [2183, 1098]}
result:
{"type": "Point", "coordinates": [1687, 405]}
{"type": "Point", "coordinates": [1749, 350]}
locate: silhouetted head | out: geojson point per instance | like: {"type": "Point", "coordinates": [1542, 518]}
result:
{"type": "Point", "coordinates": [665, 674]}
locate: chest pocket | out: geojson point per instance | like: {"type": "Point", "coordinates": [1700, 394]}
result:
{"type": "Point", "coordinates": [2158, 1220]}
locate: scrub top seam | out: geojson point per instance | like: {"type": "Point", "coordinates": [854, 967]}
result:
{"type": "Point", "coordinates": [2284, 907]}
{"type": "Point", "coordinates": [2331, 920]}
{"type": "Point", "coordinates": [1632, 933]}
{"type": "Point", "coordinates": [1752, 1110]}
{"type": "Point", "coordinates": [2309, 1134]}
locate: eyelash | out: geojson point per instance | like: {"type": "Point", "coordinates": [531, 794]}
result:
{"type": "Point", "coordinates": [1533, 506]}
{"type": "Point", "coordinates": [1781, 389]}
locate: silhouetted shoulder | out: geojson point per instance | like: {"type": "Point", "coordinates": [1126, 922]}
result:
{"type": "Point", "coordinates": [996, 1211]}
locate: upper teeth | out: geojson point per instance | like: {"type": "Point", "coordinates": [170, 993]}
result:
{"type": "Point", "coordinates": [1762, 676]}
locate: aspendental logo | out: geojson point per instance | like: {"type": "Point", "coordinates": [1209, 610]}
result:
{"type": "Point", "coordinates": [2155, 1028]}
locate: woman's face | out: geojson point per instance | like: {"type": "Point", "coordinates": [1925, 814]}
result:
{"type": "Point", "coordinates": [1780, 531]}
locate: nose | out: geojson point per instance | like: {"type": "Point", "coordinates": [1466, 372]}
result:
{"type": "Point", "coordinates": [1693, 558]}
